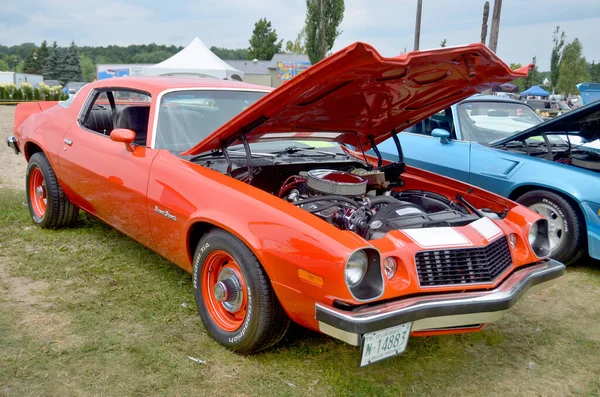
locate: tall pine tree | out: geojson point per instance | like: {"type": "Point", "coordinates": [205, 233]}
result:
{"type": "Point", "coordinates": [50, 69]}
{"type": "Point", "coordinates": [71, 70]}
{"type": "Point", "coordinates": [32, 63]}
{"type": "Point", "coordinates": [42, 55]}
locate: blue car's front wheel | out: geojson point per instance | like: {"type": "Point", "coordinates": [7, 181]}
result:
{"type": "Point", "coordinates": [566, 226]}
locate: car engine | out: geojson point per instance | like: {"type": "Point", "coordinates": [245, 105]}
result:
{"type": "Point", "coordinates": [362, 201]}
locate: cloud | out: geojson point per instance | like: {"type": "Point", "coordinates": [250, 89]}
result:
{"type": "Point", "coordinates": [525, 30]}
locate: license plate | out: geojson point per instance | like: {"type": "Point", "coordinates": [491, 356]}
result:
{"type": "Point", "coordinates": [385, 343]}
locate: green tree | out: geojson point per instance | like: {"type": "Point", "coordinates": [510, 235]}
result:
{"type": "Point", "coordinates": [88, 69]}
{"type": "Point", "coordinates": [32, 63]}
{"type": "Point", "coordinates": [3, 66]}
{"type": "Point", "coordinates": [226, 53]}
{"type": "Point", "coordinates": [71, 68]}
{"type": "Point", "coordinates": [263, 43]}
{"type": "Point", "coordinates": [533, 77]}
{"type": "Point", "coordinates": [573, 68]}
{"type": "Point", "coordinates": [594, 71]}
{"type": "Point", "coordinates": [443, 43]}
{"type": "Point", "coordinates": [558, 39]}
{"type": "Point", "coordinates": [297, 46]}
{"type": "Point", "coordinates": [519, 82]}
{"type": "Point", "coordinates": [151, 57]}
{"type": "Point", "coordinates": [50, 69]}
{"type": "Point", "coordinates": [323, 17]}
{"type": "Point", "coordinates": [42, 54]}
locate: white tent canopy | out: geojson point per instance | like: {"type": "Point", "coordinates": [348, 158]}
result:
{"type": "Point", "coordinates": [195, 60]}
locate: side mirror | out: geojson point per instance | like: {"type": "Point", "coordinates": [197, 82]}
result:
{"type": "Point", "coordinates": [123, 135]}
{"type": "Point", "coordinates": [442, 134]}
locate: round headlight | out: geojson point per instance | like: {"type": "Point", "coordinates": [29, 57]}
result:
{"type": "Point", "coordinates": [356, 268]}
{"type": "Point", "coordinates": [389, 267]}
{"type": "Point", "coordinates": [533, 233]}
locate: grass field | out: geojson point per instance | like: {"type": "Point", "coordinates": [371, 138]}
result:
{"type": "Point", "coordinates": [89, 312]}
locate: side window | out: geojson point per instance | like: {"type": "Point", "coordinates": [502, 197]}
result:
{"type": "Point", "coordinates": [110, 109]}
{"type": "Point", "coordinates": [442, 119]}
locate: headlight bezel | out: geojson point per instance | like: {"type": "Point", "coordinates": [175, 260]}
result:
{"type": "Point", "coordinates": [537, 237]}
{"type": "Point", "coordinates": [371, 285]}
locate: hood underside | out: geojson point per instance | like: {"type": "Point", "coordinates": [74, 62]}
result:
{"type": "Point", "coordinates": [358, 97]}
{"type": "Point", "coordinates": [583, 122]}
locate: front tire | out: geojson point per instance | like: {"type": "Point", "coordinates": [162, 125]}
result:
{"type": "Point", "coordinates": [48, 205]}
{"type": "Point", "coordinates": [566, 227]}
{"type": "Point", "coordinates": [234, 296]}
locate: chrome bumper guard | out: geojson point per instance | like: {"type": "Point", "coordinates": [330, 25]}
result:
{"type": "Point", "coordinates": [440, 311]}
{"type": "Point", "coordinates": [12, 143]}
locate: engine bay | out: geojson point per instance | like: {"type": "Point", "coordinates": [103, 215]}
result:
{"type": "Point", "coordinates": [363, 202]}
{"type": "Point", "coordinates": [576, 156]}
{"type": "Point", "coordinates": [352, 196]}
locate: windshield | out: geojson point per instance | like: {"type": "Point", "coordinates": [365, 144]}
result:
{"type": "Point", "coordinates": [485, 122]}
{"type": "Point", "coordinates": [187, 117]}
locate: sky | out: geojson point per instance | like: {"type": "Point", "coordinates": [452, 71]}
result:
{"type": "Point", "coordinates": [525, 29]}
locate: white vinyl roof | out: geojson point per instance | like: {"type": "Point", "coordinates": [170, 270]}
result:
{"type": "Point", "coordinates": [195, 59]}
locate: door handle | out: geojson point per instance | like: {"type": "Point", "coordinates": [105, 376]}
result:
{"type": "Point", "coordinates": [68, 141]}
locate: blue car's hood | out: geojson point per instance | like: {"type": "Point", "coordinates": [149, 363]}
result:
{"type": "Point", "coordinates": [590, 92]}
{"type": "Point", "coordinates": [584, 122]}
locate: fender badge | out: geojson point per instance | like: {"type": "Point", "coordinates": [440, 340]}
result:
{"type": "Point", "coordinates": [165, 213]}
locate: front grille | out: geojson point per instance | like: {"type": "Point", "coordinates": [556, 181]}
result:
{"type": "Point", "coordinates": [463, 265]}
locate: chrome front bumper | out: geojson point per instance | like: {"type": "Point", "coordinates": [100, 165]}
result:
{"type": "Point", "coordinates": [12, 143]}
{"type": "Point", "coordinates": [440, 311]}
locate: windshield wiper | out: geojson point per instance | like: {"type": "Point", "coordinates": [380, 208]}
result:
{"type": "Point", "coordinates": [513, 144]}
{"type": "Point", "coordinates": [295, 149]}
{"type": "Point", "coordinates": [256, 154]}
{"type": "Point", "coordinates": [235, 153]}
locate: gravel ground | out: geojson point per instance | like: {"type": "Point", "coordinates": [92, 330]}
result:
{"type": "Point", "coordinates": [12, 167]}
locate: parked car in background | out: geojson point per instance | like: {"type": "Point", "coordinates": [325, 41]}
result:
{"type": "Point", "coordinates": [252, 192]}
{"type": "Point", "coordinates": [590, 92]}
{"type": "Point", "coordinates": [548, 108]}
{"type": "Point", "coordinates": [51, 83]}
{"type": "Point", "coordinates": [74, 86]}
{"type": "Point", "coordinates": [503, 146]}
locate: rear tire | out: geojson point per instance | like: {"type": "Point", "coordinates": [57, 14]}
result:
{"type": "Point", "coordinates": [48, 205]}
{"type": "Point", "coordinates": [247, 317]}
{"type": "Point", "coordinates": [566, 224]}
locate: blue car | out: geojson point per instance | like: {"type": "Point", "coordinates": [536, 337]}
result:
{"type": "Point", "coordinates": [503, 146]}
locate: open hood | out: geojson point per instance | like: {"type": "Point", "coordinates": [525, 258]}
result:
{"type": "Point", "coordinates": [583, 122]}
{"type": "Point", "coordinates": [358, 97]}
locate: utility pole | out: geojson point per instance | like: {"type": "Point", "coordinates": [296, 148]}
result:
{"type": "Point", "coordinates": [484, 26]}
{"type": "Point", "coordinates": [322, 28]}
{"type": "Point", "coordinates": [495, 25]}
{"type": "Point", "coordinates": [418, 24]}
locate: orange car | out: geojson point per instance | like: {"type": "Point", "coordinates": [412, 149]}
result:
{"type": "Point", "coordinates": [267, 198]}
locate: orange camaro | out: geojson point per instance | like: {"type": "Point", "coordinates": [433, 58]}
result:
{"type": "Point", "coordinates": [268, 199]}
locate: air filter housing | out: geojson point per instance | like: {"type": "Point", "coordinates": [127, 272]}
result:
{"type": "Point", "coordinates": [336, 182]}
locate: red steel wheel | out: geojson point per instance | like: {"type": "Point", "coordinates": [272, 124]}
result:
{"type": "Point", "coordinates": [234, 295]}
{"type": "Point", "coordinates": [38, 191]}
{"type": "Point", "coordinates": [224, 290]}
{"type": "Point", "coordinates": [48, 205]}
